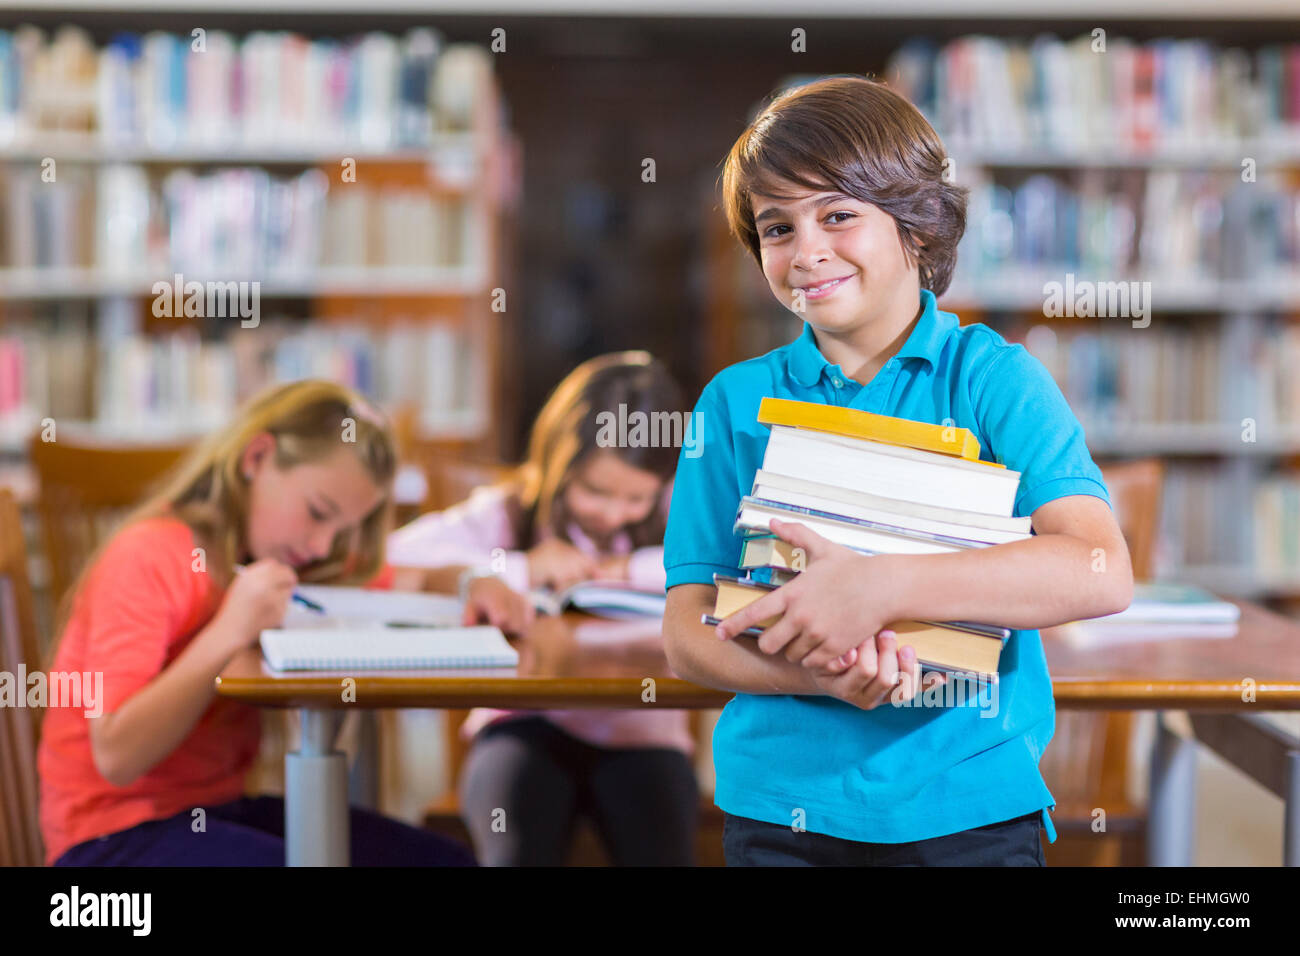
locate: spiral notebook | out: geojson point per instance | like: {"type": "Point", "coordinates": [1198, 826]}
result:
{"type": "Point", "coordinates": [386, 648]}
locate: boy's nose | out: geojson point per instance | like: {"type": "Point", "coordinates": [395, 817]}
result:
{"type": "Point", "coordinates": [809, 252]}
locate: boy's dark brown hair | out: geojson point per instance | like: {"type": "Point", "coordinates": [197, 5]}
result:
{"type": "Point", "coordinates": [856, 136]}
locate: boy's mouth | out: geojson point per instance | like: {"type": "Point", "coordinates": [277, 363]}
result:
{"type": "Point", "coordinates": [823, 289]}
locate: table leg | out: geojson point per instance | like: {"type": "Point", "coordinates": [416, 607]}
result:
{"type": "Point", "coordinates": [1171, 811]}
{"type": "Point", "coordinates": [1291, 827]}
{"type": "Point", "coordinates": [1268, 755]}
{"type": "Point", "coordinates": [316, 795]}
{"type": "Point", "coordinates": [363, 780]}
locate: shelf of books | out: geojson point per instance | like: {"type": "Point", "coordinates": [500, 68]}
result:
{"type": "Point", "coordinates": [1134, 221]}
{"type": "Point", "coordinates": [187, 218]}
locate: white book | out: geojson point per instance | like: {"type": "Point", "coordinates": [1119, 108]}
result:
{"type": "Point", "coordinates": [753, 516]}
{"type": "Point", "coordinates": [1091, 635]}
{"type": "Point", "coordinates": [381, 648]}
{"type": "Point", "coordinates": [360, 607]}
{"type": "Point", "coordinates": [905, 514]}
{"type": "Point", "coordinates": [891, 471]}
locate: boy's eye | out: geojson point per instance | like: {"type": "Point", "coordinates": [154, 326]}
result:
{"type": "Point", "coordinates": [316, 514]}
{"type": "Point", "coordinates": [770, 232]}
{"type": "Point", "coordinates": [846, 215]}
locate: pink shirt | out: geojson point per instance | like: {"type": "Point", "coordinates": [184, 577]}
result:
{"type": "Point", "coordinates": [478, 532]}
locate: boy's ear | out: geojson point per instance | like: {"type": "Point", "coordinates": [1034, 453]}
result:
{"type": "Point", "coordinates": [256, 453]}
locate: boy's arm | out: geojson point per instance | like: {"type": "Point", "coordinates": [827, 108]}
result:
{"type": "Point", "coordinates": [696, 654]}
{"type": "Point", "coordinates": [1076, 566]}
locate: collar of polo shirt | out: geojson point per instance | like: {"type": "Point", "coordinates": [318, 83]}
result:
{"type": "Point", "coordinates": [806, 361]}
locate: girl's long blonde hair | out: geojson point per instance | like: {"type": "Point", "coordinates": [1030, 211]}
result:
{"type": "Point", "coordinates": [309, 420]}
{"type": "Point", "coordinates": [208, 492]}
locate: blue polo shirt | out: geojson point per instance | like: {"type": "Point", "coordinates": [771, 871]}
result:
{"type": "Point", "coordinates": [893, 774]}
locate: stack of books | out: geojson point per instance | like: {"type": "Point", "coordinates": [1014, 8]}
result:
{"type": "Point", "coordinates": [1159, 612]}
{"type": "Point", "coordinates": [878, 485]}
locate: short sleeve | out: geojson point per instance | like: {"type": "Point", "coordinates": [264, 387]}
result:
{"type": "Point", "coordinates": [143, 594]}
{"type": "Point", "coordinates": [699, 542]}
{"type": "Point", "coordinates": [1029, 427]}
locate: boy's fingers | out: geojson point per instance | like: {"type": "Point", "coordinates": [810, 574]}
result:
{"type": "Point", "coordinates": [801, 536]}
{"type": "Point", "coordinates": [842, 663]}
{"type": "Point", "coordinates": [821, 656]}
{"type": "Point", "coordinates": [910, 676]}
{"type": "Point", "coordinates": [769, 605]}
{"type": "Point", "coordinates": [774, 639]}
{"type": "Point", "coordinates": [886, 678]}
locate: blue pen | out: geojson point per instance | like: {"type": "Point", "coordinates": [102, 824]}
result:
{"type": "Point", "coordinates": [304, 601]}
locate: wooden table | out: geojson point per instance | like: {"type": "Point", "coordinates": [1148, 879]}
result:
{"type": "Point", "coordinates": [578, 661]}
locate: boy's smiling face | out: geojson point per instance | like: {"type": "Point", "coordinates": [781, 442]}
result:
{"type": "Point", "coordinates": [846, 255]}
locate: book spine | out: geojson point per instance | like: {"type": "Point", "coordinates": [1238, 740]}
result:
{"type": "Point", "coordinates": [926, 665]}
{"type": "Point", "coordinates": [902, 532]}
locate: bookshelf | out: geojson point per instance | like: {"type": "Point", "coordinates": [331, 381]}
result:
{"type": "Point", "coordinates": [1124, 167]}
{"type": "Point", "coordinates": [358, 190]}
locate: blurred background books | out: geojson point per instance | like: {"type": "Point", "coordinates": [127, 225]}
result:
{"type": "Point", "coordinates": [451, 228]}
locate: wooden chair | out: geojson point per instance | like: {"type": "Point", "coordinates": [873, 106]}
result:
{"type": "Point", "coordinates": [1086, 764]}
{"type": "Point", "coordinates": [85, 489]}
{"type": "Point", "coordinates": [20, 837]}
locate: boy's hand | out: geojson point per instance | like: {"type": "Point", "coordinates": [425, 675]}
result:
{"type": "Point", "coordinates": [877, 671]}
{"type": "Point", "coordinates": [839, 601]}
{"type": "Point", "coordinates": [492, 601]}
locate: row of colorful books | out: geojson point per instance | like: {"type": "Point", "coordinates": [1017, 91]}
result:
{"type": "Point", "coordinates": [233, 222]}
{"type": "Point", "coordinates": [878, 485]}
{"type": "Point", "coordinates": [1119, 224]}
{"type": "Point", "coordinates": [209, 88]}
{"type": "Point", "coordinates": [1099, 93]}
{"type": "Point", "coordinates": [180, 382]}
{"type": "Point", "coordinates": [1237, 377]}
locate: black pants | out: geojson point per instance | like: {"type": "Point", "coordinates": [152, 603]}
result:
{"type": "Point", "coordinates": [1009, 843]}
{"type": "Point", "coordinates": [526, 781]}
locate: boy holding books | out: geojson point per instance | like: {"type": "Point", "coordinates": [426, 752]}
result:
{"type": "Point", "coordinates": [837, 189]}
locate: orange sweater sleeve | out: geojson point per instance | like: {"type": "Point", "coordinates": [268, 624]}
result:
{"type": "Point", "coordinates": [139, 606]}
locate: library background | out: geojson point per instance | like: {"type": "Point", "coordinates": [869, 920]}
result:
{"type": "Point", "coordinates": [451, 229]}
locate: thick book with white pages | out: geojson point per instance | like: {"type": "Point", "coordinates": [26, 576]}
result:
{"type": "Point", "coordinates": [890, 471]}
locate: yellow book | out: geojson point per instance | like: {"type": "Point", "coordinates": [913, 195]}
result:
{"type": "Point", "coordinates": [950, 648]}
{"type": "Point", "coordinates": [855, 423]}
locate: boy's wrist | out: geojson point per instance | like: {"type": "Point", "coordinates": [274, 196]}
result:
{"type": "Point", "coordinates": [893, 577]}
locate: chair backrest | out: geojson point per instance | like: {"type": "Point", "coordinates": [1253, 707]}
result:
{"type": "Point", "coordinates": [451, 480]}
{"type": "Point", "coordinates": [20, 838]}
{"type": "Point", "coordinates": [1135, 488]}
{"type": "Point", "coordinates": [85, 489]}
